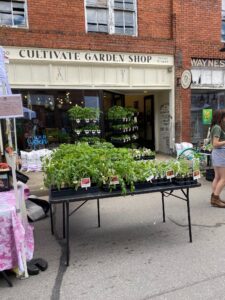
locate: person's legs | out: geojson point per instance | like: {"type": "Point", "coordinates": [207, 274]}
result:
{"type": "Point", "coordinates": [221, 181]}
{"type": "Point", "coordinates": [216, 179]}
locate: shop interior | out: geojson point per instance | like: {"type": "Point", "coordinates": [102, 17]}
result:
{"type": "Point", "coordinates": [201, 101]}
{"type": "Point", "coordinates": [46, 114]}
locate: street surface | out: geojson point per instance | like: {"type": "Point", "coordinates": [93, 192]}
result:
{"type": "Point", "coordinates": [134, 255]}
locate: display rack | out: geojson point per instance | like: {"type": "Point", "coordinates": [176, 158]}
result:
{"type": "Point", "coordinates": [122, 126]}
{"type": "Point", "coordinates": [86, 130]}
{"type": "Point", "coordinates": [85, 124]}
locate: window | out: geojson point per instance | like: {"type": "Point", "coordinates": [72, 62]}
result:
{"type": "Point", "coordinates": [13, 13]}
{"type": "Point", "coordinates": [223, 21]}
{"type": "Point", "coordinates": [111, 16]}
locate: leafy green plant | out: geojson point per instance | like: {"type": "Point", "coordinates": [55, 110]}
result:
{"type": "Point", "coordinates": [76, 112]}
{"type": "Point", "coordinates": [68, 164]}
{"type": "Point", "coordinates": [117, 112]}
{"type": "Point", "coordinates": [196, 164]}
{"type": "Point", "coordinates": [82, 113]}
{"type": "Point", "coordinates": [90, 127]}
{"type": "Point", "coordinates": [184, 168]}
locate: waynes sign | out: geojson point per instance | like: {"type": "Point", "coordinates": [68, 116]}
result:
{"type": "Point", "coordinates": [207, 63]}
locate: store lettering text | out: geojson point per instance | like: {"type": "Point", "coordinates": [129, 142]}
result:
{"type": "Point", "coordinates": [83, 56]}
{"type": "Point", "coordinates": [213, 63]}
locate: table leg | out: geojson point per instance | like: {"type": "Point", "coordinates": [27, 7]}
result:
{"type": "Point", "coordinates": [63, 211]}
{"type": "Point", "coordinates": [51, 216]}
{"type": "Point", "coordinates": [208, 160]}
{"type": "Point", "coordinates": [189, 216]}
{"type": "Point", "coordinates": [67, 234]}
{"type": "Point", "coordinates": [163, 207]}
{"type": "Point", "coordinates": [98, 206]}
{"type": "Point", "coordinates": [6, 278]}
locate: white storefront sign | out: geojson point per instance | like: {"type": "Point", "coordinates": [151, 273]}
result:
{"type": "Point", "coordinates": [87, 56]}
{"type": "Point", "coordinates": [208, 73]}
{"type": "Point", "coordinates": [64, 69]}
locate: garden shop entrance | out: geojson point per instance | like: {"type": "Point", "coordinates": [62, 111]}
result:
{"type": "Point", "coordinates": [145, 117]}
{"type": "Point", "coordinates": [153, 116]}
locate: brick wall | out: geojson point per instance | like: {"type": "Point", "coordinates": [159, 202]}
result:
{"type": "Point", "coordinates": [61, 24]}
{"type": "Point", "coordinates": [197, 33]}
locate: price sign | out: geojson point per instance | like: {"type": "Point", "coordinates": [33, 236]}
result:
{"type": "Point", "coordinates": [85, 182]}
{"type": "Point", "coordinates": [11, 106]}
{"type": "Point", "coordinates": [114, 180]}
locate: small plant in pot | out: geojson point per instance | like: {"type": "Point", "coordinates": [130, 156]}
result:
{"type": "Point", "coordinates": [76, 113]}
{"type": "Point", "coordinates": [183, 174]}
{"type": "Point", "coordinates": [162, 167]}
{"type": "Point", "coordinates": [117, 113]}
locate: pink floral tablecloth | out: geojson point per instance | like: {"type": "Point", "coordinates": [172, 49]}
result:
{"type": "Point", "coordinates": [13, 234]}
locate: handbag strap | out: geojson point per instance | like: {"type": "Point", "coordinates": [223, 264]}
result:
{"type": "Point", "coordinates": [208, 133]}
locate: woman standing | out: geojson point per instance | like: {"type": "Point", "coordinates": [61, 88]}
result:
{"type": "Point", "coordinates": [218, 156]}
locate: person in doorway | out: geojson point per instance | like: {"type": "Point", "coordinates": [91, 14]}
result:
{"type": "Point", "coordinates": [217, 136]}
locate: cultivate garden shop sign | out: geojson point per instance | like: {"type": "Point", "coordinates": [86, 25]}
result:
{"type": "Point", "coordinates": [87, 56]}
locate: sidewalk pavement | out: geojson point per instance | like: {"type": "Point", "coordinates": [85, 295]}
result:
{"type": "Point", "coordinates": [134, 255]}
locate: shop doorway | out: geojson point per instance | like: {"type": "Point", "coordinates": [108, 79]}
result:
{"type": "Point", "coordinates": [149, 129]}
{"type": "Point", "coordinates": [145, 118]}
{"type": "Point", "coordinates": [110, 99]}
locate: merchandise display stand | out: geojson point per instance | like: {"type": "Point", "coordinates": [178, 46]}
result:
{"type": "Point", "coordinates": [11, 156]}
{"type": "Point", "coordinates": [123, 127]}
{"type": "Point", "coordinates": [166, 191]}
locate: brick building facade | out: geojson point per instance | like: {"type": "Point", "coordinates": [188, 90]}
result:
{"type": "Point", "coordinates": [174, 30]}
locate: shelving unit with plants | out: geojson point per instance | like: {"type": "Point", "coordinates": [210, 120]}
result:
{"type": "Point", "coordinates": [85, 124]}
{"type": "Point", "coordinates": [122, 124]}
{"type": "Point", "coordinates": [143, 154]}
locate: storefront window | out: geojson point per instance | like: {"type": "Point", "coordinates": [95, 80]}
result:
{"type": "Point", "coordinates": [200, 101]}
{"type": "Point", "coordinates": [45, 114]}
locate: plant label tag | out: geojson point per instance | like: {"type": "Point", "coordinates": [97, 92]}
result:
{"type": "Point", "coordinates": [169, 174]}
{"type": "Point", "coordinates": [85, 182]}
{"type": "Point", "coordinates": [196, 174]}
{"type": "Point", "coordinates": [149, 178]}
{"type": "Point", "coordinates": [114, 180]}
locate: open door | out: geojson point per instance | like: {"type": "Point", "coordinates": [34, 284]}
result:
{"type": "Point", "coordinates": [149, 130]}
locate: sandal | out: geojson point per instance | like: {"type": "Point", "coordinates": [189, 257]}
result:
{"type": "Point", "coordinates": [31, 268]}
{"type": "Point", "coordinates": [40, 263]}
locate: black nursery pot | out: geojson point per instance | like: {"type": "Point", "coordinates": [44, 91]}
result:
{"type": "Point", "coordinates": [184, 180]}
{"type": "Point", "coordinates": [161, 181]}
{"type": "Point", "coordinates": [110, 188]}
{"type": "Point", "coordinates": [142, 184]}
{"type": "Point", "coordinates": [69, 191]}
{"type": "Point", "coordinates": [148, 157]}
{"type": "Point", "coordinates": [179, 180]}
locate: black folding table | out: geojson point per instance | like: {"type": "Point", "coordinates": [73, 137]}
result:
{"type": "Point", "coordinates": [65, 200]}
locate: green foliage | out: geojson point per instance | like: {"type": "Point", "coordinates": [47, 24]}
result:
{"type": "Point", "coordinates": [118, 112]}
{"type": "Point", "coordinates": [184, 168]}
{"type": "Point", "coordinates": [70, 163]}
{"type": "Point", "coordinates": [82, 113]}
